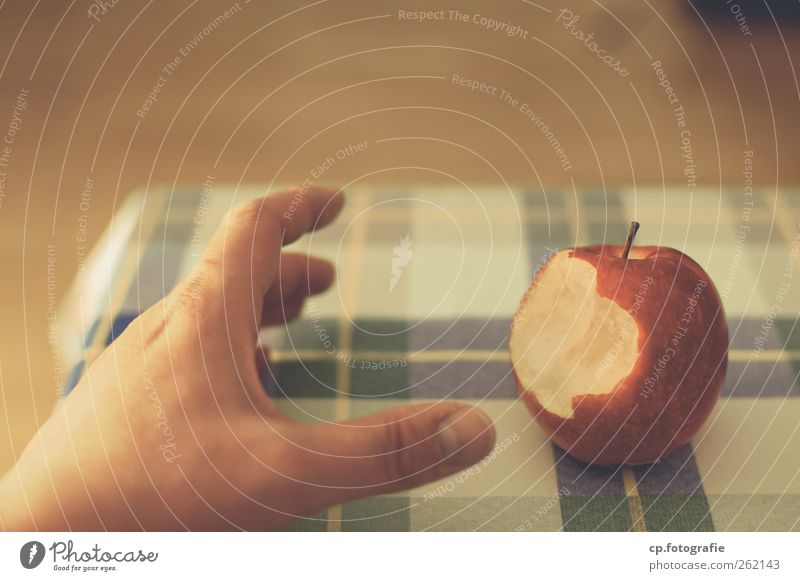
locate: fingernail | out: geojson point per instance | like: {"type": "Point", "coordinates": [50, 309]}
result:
{"type": "Point", "coordinates": [465, 436]}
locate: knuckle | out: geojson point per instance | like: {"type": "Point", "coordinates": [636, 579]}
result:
{"type": "Point", "coordinates": [196, 297]}
{"type": "Point", "coordinates": [275, 209]}
{"type": "Point", "coordinates": [398, 456]}
{"type": "Point", "coordinates": [195, 290]}
{"type": "Point", "coordinates": [246, 212]}
{"type": "Point", "coordinates": [254, 216]}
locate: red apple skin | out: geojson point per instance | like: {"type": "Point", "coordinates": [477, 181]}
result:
{"type": "Point", "coordinates": [624, 426]}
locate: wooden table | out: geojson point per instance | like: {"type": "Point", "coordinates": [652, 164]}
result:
{"type": "Point", "coordinates": [251, 92]}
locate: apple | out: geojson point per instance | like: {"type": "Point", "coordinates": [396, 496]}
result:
{"type": "Point", "coordinates": [619, 351]}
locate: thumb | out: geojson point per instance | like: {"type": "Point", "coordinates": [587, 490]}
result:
{"type": "Point", "coordinates": [393, 450]}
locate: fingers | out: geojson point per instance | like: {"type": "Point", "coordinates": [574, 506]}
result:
{"type": "Point", "coordinates": [393, 450]}
{"type": "Point", "coordinates": [262, 360]}
{"type": "Point", "coordinates": [242, 260]}
{"type": "Point", "coordinates": [300, 276]}
{"type": "Point", "coordinates": [283, 313]}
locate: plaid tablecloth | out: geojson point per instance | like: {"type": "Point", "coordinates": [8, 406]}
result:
{"type": "Point", "coordinates": [428, 280]}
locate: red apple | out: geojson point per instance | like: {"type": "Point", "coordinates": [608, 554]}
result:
{"type": "Point", "coordinates": [620, 353]}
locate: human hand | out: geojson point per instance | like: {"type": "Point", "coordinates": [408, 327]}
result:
{"type": "Point", "coordinates": [171, 428]}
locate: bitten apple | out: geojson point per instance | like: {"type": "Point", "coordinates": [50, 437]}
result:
{"type": "Point", "coordinates": [620, 352]}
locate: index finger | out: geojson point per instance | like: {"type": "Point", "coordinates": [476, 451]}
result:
{"type": "Point", "coordinates": [244, 253]}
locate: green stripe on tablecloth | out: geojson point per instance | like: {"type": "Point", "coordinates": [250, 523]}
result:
{"type": "Point", "coordinates": [677, 513]}
{"type": "Point", "coordinates": [316, 523]}
{"type": "Point", "coordinates": [380, 513]}
{"type": "Point", "coordinates": [488, 513]}
{"type": "Point", "coordinates": [595, 513]}
{"type": "Point", "coordinates": [672, 494]}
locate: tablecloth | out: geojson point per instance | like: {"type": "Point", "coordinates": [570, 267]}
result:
{"type": "Point", "coordinates": [428, 279]}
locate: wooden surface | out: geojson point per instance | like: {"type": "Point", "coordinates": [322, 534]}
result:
{"type": "Point", "coordinates": [272, 90]}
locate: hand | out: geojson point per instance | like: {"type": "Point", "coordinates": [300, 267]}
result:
{"type": "Point", "coordinates": [172, 429]}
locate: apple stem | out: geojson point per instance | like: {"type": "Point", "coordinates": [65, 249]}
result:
{"type": "Point", "coordinates": [634, 228]}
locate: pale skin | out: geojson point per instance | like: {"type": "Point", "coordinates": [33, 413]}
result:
{"type": "Point", "coordinates": [170, 429]}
